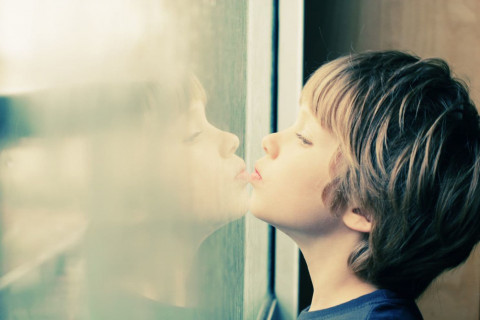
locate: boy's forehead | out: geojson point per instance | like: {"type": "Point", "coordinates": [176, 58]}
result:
{"type": "Point", "coordinates": [305, 109]}
{"type": "Point", "coordinates": [303, 112]}
{"type": "Point", "coordinates": [307, 112]}
{"type": "Point", "coordinates": [305, 116]}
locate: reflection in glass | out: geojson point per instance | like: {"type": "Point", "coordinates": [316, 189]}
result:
{"type": "Point", "coordinates": [178, 183]}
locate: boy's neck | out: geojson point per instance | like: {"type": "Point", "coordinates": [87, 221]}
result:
{"type": "Point", "coordinates": [333, 281]}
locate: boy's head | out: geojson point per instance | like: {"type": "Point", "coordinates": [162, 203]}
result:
{"type": "Point", "coordinates": [409, 159]}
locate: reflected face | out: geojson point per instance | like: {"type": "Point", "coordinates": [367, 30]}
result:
{"type": "Point", "coordinates": [210, 178]}
{"type": "Point", "coordinates": [290, 178]}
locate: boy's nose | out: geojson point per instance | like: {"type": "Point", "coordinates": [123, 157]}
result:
{"type": "Point", "coordinates": [270, 145]}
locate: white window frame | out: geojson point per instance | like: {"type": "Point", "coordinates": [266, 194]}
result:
{"type": "Point", "coordinates": [290, 82]}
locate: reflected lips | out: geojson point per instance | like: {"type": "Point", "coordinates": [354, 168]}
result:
{"type": "Point", "coordinates": [242, 175]}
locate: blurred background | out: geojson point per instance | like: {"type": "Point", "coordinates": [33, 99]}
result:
{"type": "Point", "coordinates": [125, 127]}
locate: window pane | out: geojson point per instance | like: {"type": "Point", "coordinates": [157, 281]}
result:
{"type": "Point", "coordinates": [121, 163]}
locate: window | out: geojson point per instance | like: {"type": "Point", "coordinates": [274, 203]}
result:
{"type": "Point", "coordinates": [121, 192]}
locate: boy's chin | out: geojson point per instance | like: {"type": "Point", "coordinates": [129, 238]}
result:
{"type": "Point", "coordinates": [259, 212]}
{"type": "Point", "coordinates": [267, 212]}
{"type": "Point", "coordinates": [267, 217]}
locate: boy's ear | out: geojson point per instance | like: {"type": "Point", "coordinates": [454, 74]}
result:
{"type": "Point", "coordinates": [357, 220]}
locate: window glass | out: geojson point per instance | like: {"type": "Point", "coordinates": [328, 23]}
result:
{"type": "Point", "coordinates": [122, 179]}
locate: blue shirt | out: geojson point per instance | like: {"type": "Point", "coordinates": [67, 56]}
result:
{"type": "Point", "coordinates": [380, 304]}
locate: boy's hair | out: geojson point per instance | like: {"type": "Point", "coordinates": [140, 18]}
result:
{"type": "Point", "coordinates": [409, 159]}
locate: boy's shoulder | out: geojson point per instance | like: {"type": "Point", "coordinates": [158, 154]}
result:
{"type": "Point", "coordinates": [380, 304]}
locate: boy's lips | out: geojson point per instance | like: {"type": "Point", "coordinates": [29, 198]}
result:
{"type": "Point", "coordinates": [255, 176]}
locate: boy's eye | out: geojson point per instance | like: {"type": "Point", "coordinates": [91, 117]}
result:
{"type": "Point", "coordinates": [191, 138]}
{"type": "Point", "coordinates": [304, 140]}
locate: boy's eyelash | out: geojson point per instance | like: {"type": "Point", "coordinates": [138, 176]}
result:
{"type": "Point", "coordinates": [304, 140]}
{"type": "Point", "coordinates": [192, 137]}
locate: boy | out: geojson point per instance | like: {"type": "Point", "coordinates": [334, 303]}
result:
{"type": "Point", "coordinates": [377, 182]}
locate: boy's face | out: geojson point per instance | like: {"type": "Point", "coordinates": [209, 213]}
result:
{"type": "Point", "coordinates": [287, 191]}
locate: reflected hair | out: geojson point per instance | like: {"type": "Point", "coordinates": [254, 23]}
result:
{"type": "Point", "coordinates": [408, 159]}
{"type": "Point", "coordinates": [164, 99]}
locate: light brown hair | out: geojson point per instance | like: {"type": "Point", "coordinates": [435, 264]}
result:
{"type": "Point", "coordinates": [409, 159]}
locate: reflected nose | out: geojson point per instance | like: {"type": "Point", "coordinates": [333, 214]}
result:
{"type": "Point", "coordinates": [270, 145]}
{"type": "Point", "coordinates": [229, 145]}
